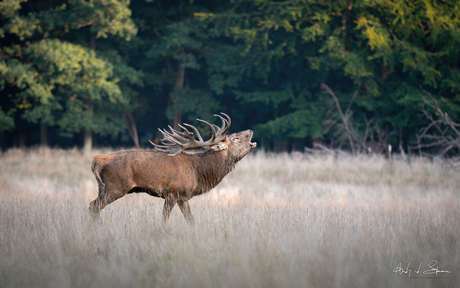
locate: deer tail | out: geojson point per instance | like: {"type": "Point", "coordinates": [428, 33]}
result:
{"type": "Point", "coordinates": [94, 164]}
{"type": "Point", "coordinates": [100, 183]}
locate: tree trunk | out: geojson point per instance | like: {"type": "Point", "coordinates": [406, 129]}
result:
{"type": "Point", "coordinates": [92, 41]}
{"type": "Point", "coordinates": [132, 129]}
{"type": "Point", "coordinates": [21, 139]}
{"type": "Point", "coordinates": [281, 146]}
{"type": "Point", "coordinates": [177, 120]}
{"type": "Point", "coordinates": [43, 135]}
{"type": "Point", "coordinates": [179, 84]}
{"type": "Point", "coordinates": [88, 141]}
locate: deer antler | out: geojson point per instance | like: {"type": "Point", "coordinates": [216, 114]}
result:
{"type": "Point", "coordinates": [175, 142]}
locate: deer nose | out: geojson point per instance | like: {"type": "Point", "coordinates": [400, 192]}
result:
{"type": "Point", "coordinates": [250, 131]}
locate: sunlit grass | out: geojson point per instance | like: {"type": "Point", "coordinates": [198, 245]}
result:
{"type": "Point", "coordinates": [275, 221]}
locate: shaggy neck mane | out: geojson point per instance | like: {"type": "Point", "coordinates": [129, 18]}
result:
{"type": "Point", "coordinates": [211, 167]}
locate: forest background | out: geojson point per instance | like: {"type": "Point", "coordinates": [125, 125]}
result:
{"type": "Point", "coordinates": [354, 75]}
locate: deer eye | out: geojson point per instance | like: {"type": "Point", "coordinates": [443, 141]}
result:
{"type": "Point", "coordinates": [236, 139]}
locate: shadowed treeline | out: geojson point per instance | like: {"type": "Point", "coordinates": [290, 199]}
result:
{"type": "Point", "coordinates": [353, 75]}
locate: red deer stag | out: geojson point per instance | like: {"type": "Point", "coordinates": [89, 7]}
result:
{"type": "Point", "coordinates": [168, 172]}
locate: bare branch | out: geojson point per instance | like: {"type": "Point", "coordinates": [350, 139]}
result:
{"type": "Point", "coordinates": [328, 90]}
{"type": "Point", "coordinates": [441, 134]}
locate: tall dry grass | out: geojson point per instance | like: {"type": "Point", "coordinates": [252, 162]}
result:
{"type": "Point", "coordinates": [275, 221]}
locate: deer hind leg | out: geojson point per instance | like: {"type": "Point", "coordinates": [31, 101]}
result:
{"type": "Point", "coordinates": [100, 202]}
{"type": "Point", "coordinates": [170, 201]}
{"type": "Point", "coordinates": [103, 200]}
{"type": "Point", "coordinates": [106, 195]}
{"type": "Point", "coordinates": [185, 208]}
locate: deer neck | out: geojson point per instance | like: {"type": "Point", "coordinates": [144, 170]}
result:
{"type": "Point", "coordinates": [211, 168]}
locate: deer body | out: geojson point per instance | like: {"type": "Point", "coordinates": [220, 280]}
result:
{"type": "Point", "coordinates": [175, 178]}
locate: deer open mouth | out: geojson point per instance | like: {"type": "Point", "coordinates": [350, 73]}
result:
{"type": "Point", "coordinates": [252, 144]}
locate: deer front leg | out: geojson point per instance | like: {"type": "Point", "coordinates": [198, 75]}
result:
{"type": "Point", "coordinates": [170, 201]}
{"type": "Point", "coordinates": [185, 208]}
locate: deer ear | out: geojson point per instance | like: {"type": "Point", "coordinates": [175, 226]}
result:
{"type": "Point", "coordinates": [219, 147]}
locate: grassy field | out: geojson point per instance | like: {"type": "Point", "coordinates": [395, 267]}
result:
{"type": "Point", "coordinates": [275, 221]}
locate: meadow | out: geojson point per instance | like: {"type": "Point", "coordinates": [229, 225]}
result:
{"type": "Point", "coordinates": [277, 220]}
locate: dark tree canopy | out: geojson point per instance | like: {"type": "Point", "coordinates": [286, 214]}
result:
{"type": "Point", "coordinates": [356, 75]}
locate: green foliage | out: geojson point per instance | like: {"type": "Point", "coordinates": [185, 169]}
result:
{"type": "Point", "coordinates": [6, 122]}
{"type": "Point", "coordinates": [8, 8]}
{"type": "Point", "coordinates": [377, 47]}
{"type": "Point", "coordinates": [262, 61]}
{"type": "Point", "coordinates": [106, 17]}
{"type": "Point", "coordinates": [298, 124]}
{"type": "Point", "coordinates": [52, 79]}
{"type": "Point", "coordinates": [75, 69]}
{"type": "Point", "coordinates": [192, 102]}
